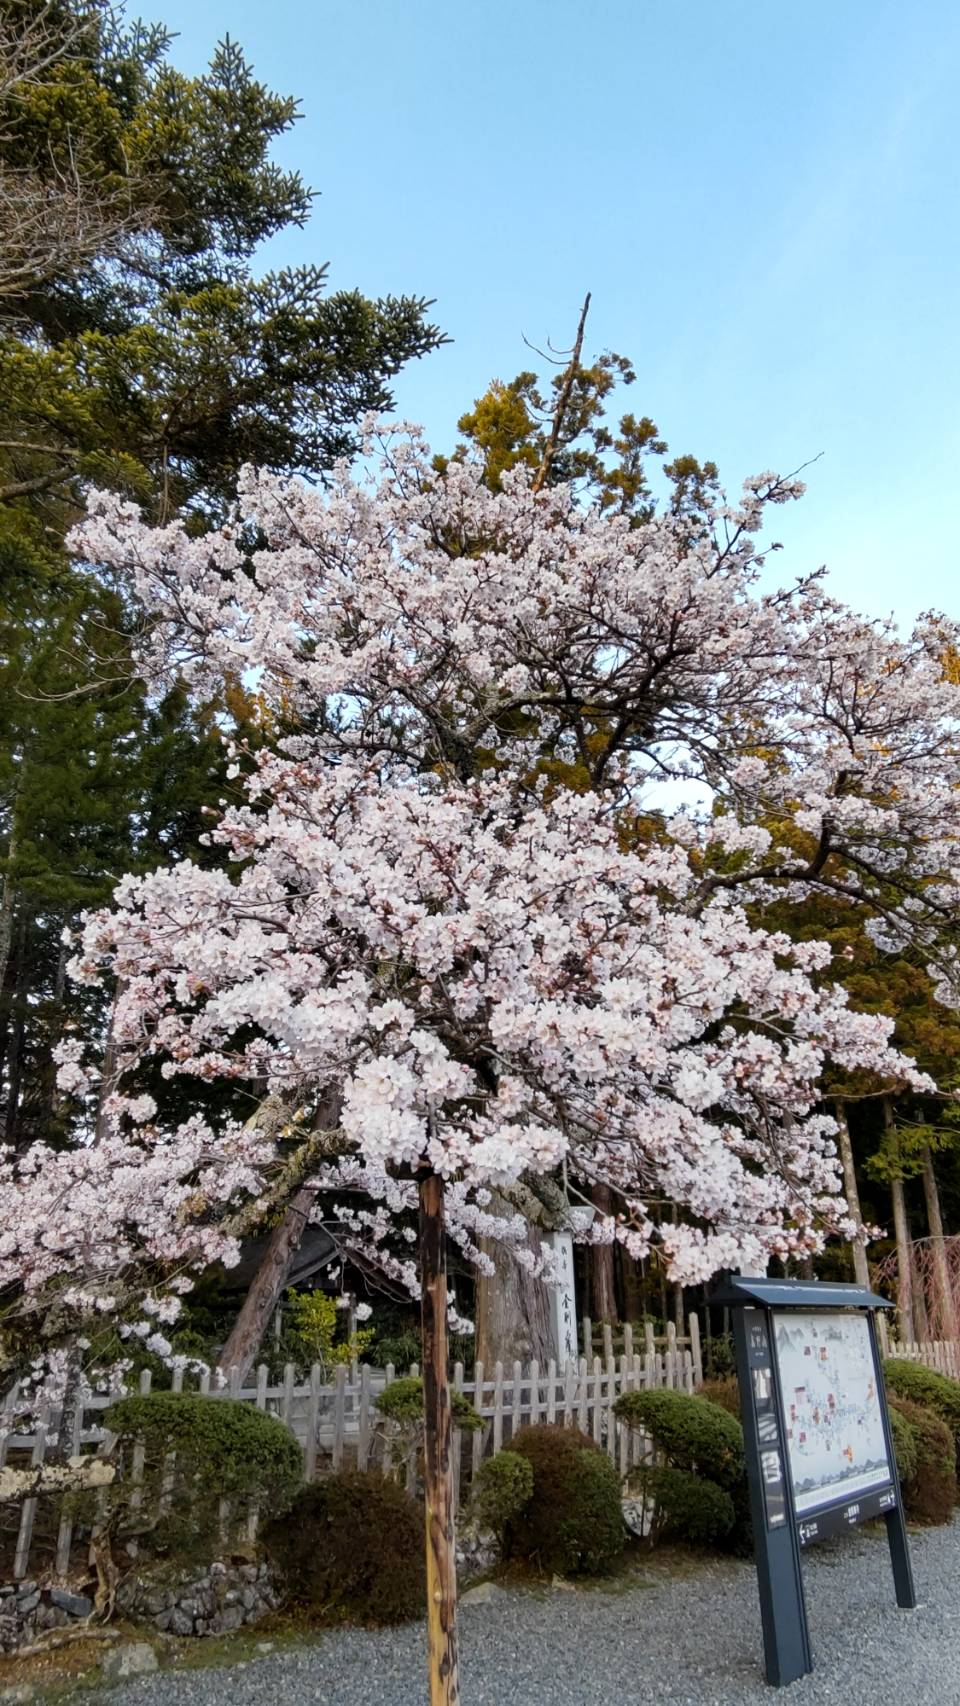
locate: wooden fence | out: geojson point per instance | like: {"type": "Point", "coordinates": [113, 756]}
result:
{"type": "Point", "coordinates": [338, 1426]}
{"type": "Point", "coordinates": [943, 1355]}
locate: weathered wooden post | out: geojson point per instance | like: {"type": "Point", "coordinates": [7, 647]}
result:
{"type": "Point", "coordinates": [437, 1451]}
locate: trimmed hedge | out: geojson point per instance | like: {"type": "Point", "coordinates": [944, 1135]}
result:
{"type": "Point", "coordinates": [351, 1549]}
{"type": "Point", "coordinates": [904, 1443]}
{"type": "Point", "coordinates": [687, 1506]}
{"type": "Point", "coordinates": [236, 1450]}
{"type": "Point", "coordinates": [695, 1435]}
{"type": "Point", "coordinates": [572, 1525]}
{"type": "Point", "coordinates": [936, 1392]}
{"type": "Point", "coordinates": [930, 1493]}
{"type": "Point", "coordinates": [402, 1401]}
{"type": "Point", "coordinates": [502, 1487]}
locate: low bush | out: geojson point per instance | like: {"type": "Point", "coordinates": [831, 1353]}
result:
{"type": "Point", "coordinates": [687, 1507]}
{"type": "Point", "coordinates": [725, 1392]}
{"type": "Point", "coordinates": [924, 1386]}
{"type": "Point", "coordinates": [501, 1488]}
{"type": "Point", "coordinates": [220, 1449]}
{"type": "Point", "coordinates": [572, 1524]}
{"type": "Point", "coordinates": [351, 1549]}
{"type": "Point", "coordinates": [402, 1402]}
{"type": "Point", "coordinates": [930, 1493]}
{"type": "Point", "coordinates": [904, 1444]}
{"type": "Point", "coordinates": [693, 1434]}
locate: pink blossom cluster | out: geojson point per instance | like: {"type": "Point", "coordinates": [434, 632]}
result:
{"type": "Point", "coordinates": [439, 898]}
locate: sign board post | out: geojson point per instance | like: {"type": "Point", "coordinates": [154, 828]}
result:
{"type": "Point", "coordinates": [817, 1441]}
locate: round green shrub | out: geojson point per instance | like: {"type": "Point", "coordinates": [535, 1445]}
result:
{"type": "Point", "coordinates": [402, 1401]}
{"type": "Point", "coordinates": [693, 1434]}
{"type": "Point", "coordinates": [501, 1488]}
{"type": "Point", "coordinates": [924, 1386]}
{"type": "Point", "coordinates": [904, 1444]}
{"type": "Point", "coordinates": [572, 1524]}
{"type": "Point", "coordinates": [724, 1391]}
{"type": "Point", "coordinates": [930, 1494]}
{"type": "Point", "coordinates": [688, 1507]}
{"type": "Point", "coordinates": [351, 1549]}
{"type": "Point", "coordinates": [240, 1451]}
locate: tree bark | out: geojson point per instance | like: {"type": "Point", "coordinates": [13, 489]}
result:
{"type": "Point", "coordinates": [861, 1268]}
{"type": "Point", "coordinates": [630, 1286]}
{"type": "Point", "coordinates": [267, 1286]}
{"type": "Point", "coordinates": [905, 1312]}
{"type": "Point", "coordinates": [513, 1318]}
{"type": "Point", "coordinates": [904, 1262]}
{"type": "Point", "coordinates": [603, 1275]}
{"type": "Point", "coordinates": [269, 1281]}
{"type": "Point", "coordinates": [938, 1248]}
{"type": "Point", "coordinates": [437, 1453]}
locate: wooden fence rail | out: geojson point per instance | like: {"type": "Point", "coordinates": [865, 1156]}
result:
{"type": "Point", "coordinates": [338, 1425]}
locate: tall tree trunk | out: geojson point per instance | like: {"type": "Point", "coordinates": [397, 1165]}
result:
{"type": "Point", "coordinates": [513, 1316]}
{"type": "Point", "coordinates": [861, 1268]}
{"type": "Point", "coordinates": [630, 1286]}
{"type": "Point", "coordinates": [946, 1307]}
{"type": "Point", "coordinates": [437, 1455]}
{"type": "Point", "coordinates": [602, 1272]}
{"type": "Point", "coordinates": [110, 1070]}
{"type": "Point", "coordinates": [268, 1283]}
{"type": "Point", "coordinates": [906, 1321]}
{"type": "Point", "coordinates": [17, 1023]}
{"type": "Point", "coordinates": [7, 896]}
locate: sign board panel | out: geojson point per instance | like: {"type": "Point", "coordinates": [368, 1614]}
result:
{"type": "Point", "coordinates": [564, 1299]}
{"type": "Point", "coordinates": [836, 1441]}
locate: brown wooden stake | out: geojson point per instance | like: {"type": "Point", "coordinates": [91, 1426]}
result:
{"type": "Point", "coordinates": [437, 1451]}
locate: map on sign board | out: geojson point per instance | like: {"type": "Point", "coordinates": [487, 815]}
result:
{"type": "Point", "coordinates": [835, 1439]}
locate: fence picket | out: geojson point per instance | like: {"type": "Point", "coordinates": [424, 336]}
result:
{"type": "Point", "coordinates": [313, 1424]}
{"type": "Point", "coordinates": [497, 1407]}
{"type": "Point", "coordinates": [479, 1400]}
{"type": "Point", "coordinates": [28, 1515]}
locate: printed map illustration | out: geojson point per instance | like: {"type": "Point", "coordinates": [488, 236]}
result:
{"type": "Point", "coordinates": [835, 1442]}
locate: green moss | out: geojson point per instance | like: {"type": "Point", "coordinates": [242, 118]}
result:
{"type": "Point", "coordinates": [402, 1401]}
{"type": "Point", "coordinates": [930, 1493]}
{"type": "Point", "coordinates": [693, 1434]}
{"type": "Point", "coordinates": [351, 1549]}
{"type": "Point", "coordinates": [502, 1487]}
{"type": "Point", "coordinates": [688, 1507]}
{"type": "Point", "coordinates": [572, 1524]}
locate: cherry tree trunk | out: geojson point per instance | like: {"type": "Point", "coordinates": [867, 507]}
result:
{"type": "Point", "coordinates": [943, 1289]}
{"type": "Point", "coordinates": [267, 1286]}
{"type": "Point", "coordinates": [861, 1268]}
{"type": "Point", "coordinates": [437, 1454]}
{"type": "Point", "coordinates": [603, 1273]}
{"type": "Point", "coordinates": [513, 1318]}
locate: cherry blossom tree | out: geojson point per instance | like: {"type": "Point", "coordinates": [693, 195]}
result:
{"type": "Point", "coordinates": [445, 915]}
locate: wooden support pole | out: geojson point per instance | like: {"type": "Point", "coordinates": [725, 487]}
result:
{"type": "Point", "coordinates": [437, 1452]}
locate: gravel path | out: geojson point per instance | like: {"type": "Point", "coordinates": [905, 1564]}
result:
{"type": "Point", "coordinates": [687, 1639]}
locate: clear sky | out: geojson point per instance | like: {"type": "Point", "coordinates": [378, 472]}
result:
{"type": "Point", "coordinates": [762, 198]}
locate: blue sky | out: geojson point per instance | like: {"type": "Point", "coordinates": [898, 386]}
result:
{"type": "Point", "coordinates": [763, 200]}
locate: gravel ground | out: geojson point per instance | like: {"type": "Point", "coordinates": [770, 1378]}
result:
{"type": "Point", "coordinates": [685, 1638]}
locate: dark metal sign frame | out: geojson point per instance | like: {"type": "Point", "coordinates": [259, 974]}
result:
{"type": "Point", "coordinates": [780, 1533]}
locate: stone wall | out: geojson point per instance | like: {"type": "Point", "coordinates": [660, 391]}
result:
{"type": "Point", "coordinates": [205, 1601]}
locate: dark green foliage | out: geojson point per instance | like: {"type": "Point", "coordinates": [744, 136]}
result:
{"type": "Point", "coordinates": [240, 1450]}
{"type": "Point", "coordinates": [904, 1444]}
{"type": "Point", "coordinates": [688, 1507]}
{"type": "Point", "coordinates": [693, 1434]}
{"type": "Point", "coordinates": [402, 1401]}
{"type": "Point", "coordinates": [502, 1487]}
{"type": "Point", "coordinates": [222, 1450]}
{"type": "Point", "coordinates": [573, 1523]}
{"type": "Point", "coordinates": [930, 1493]}
{"type": "Point", "coordinates": [352, 1549]}
{"type": "Point", "coordinates": [725, 1391]}
{"type": "Point", "coordinates": [924, 1386]}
